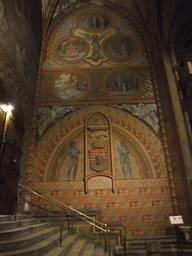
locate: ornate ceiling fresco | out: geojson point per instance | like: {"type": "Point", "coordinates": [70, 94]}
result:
{"type": "Point", "coordinates": [95, 54]}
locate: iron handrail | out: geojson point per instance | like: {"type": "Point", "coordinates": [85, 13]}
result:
{"type": "Point", "coordinates": [51, 200]}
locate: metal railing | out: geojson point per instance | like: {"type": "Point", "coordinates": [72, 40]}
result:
{"type": "Point", "coordinates": [93, 222]}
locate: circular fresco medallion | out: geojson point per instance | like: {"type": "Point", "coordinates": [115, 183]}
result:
{"type": "Point", "coordinates": [120, 47]}
{"type": "Point", "coordinates": [71, 86]}
{"type": "Point", "coordinates": [73, 48]}
{"type": "Point", "coordinates": [122, 83]}
{"type": "Point", "coordinates": [93, 20]}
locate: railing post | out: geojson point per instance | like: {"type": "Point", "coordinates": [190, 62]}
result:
{"type": "Point", "coordinates": [16, 204]}
{"type": "Point", "coordinates": [68, 224]}
{"type": "Point", "coordinates": [109, 244]}
{"type": "Point", "coordinates": [125, 246]}
{"type": "Point", "coordinates": [61, 227]}
{"type": "Point", "coordinates": [72, 226]}
{"type": "Point", "coordinates": [105, 241]}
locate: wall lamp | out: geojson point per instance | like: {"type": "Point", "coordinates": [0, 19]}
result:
{"type": "Point", "coordinates": [7, 109]}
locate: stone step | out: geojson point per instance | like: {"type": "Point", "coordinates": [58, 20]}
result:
{"type": "Point", "coordinates": [66, 246]}
{"type": "Point", "coordinates": [11, 217]}
{"type": "Point", "coordinates": [21, 231]}
{"type": "Point", "coordinates": [132, 253]}
{"type": "Point", "coordinates": [28, 240]}
{"type": "Point", "coordinates": [100, 252]}
{"type": "Point", "coordinates": [169, 246]}
{"type": "Point", "coordinates": [5, 225]}
{"type": "Point", "coordinates": [77, 247]}
{"type": "Point", "coordinates": [38, 249]}
{"type": "Point", "coordinates": [88, 249]}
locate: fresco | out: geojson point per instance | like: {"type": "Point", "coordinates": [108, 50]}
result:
{"type": "Point", "coordinates": [135, 156]}
{"type": "Point", "coordinates": [73, 48]}
{"type": "Point", "coordinates": [147, 112]}
{"type": "Point", "coordinates": [68, 161]}
{"type": "Point", "coordinates": [93, 37]}
{"type": "Point", "coordinates": [95, 20]}
{"type": "Point", "coordinates": [70, 86]}
{"type": "Point", "coordinates": [24, 62]}
{"type": "Point", "coordinates": [21, 9]}
{"type": "Point", "coordinates": [3, 21]}
{"type": "Point", "coordinates": [126, 167]}
{"type": "Point", "coordinates": [122, 83]}
{"type": "Point", "coordinates": [96, 56]}
{"type": "Point", "coordinates": [141, 187]}
{"type": "Point", "coordinates": [50, 115]}
{"type": "Point", "coordinates": [119, 47]}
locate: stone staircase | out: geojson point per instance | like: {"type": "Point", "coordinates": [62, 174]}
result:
{"type": "Point", "coordinates": [31, 237]}
{"type": "Point", "coordinates": [167, 245]}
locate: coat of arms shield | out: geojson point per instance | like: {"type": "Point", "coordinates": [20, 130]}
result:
{"type": "Point", "coordinates": [99, 159]}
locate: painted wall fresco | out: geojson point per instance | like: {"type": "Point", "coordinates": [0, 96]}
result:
{"type": "Point", "coordinates": [94, 54]}
{"type": "Point", "coordinates": [135, 141]}
{"type": "Point", "coordinates": [139, 195]}
{"type": "Point", "coordinates": [98, 142]}
{"type": "Point", "coordinates": [20, 42]}
{"type": "Point", "coordinates": [70, 87]}
{"type": "Point", "coordinates": [95, 39]}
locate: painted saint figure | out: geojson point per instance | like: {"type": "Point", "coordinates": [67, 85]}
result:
{"type": "Point", "coordinates": [124, 159]}
{"type": "Point", "coordinates": [73, 152]}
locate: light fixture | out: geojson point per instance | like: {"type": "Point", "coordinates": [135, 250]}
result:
{"type": "Point", "coordinates": [6, 108]}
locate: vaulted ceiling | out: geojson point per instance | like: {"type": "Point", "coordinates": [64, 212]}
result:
{"type": "Point", "coordinates": [174, 18]}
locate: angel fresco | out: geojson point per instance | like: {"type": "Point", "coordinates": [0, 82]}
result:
{"type": "Point", "coordinates": [70, 86]}
{"type": "Point", "coordinates": [147, 112]}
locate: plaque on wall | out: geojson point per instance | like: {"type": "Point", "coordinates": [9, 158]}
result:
{"type": "Point", "coordinates": [100, 182]}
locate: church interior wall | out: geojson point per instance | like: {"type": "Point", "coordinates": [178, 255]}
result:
{"type": "Point", "coordinates": [98, 63]}
{"type": "Point", "coordinates": [100, 89]}
{"type": "Point", "coordinates": [140, 196]}
{"type": "Point", "coordinates": [20, 43]}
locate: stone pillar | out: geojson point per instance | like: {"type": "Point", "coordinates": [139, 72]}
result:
{"type": "Point", "coordinates": [186, 231]}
